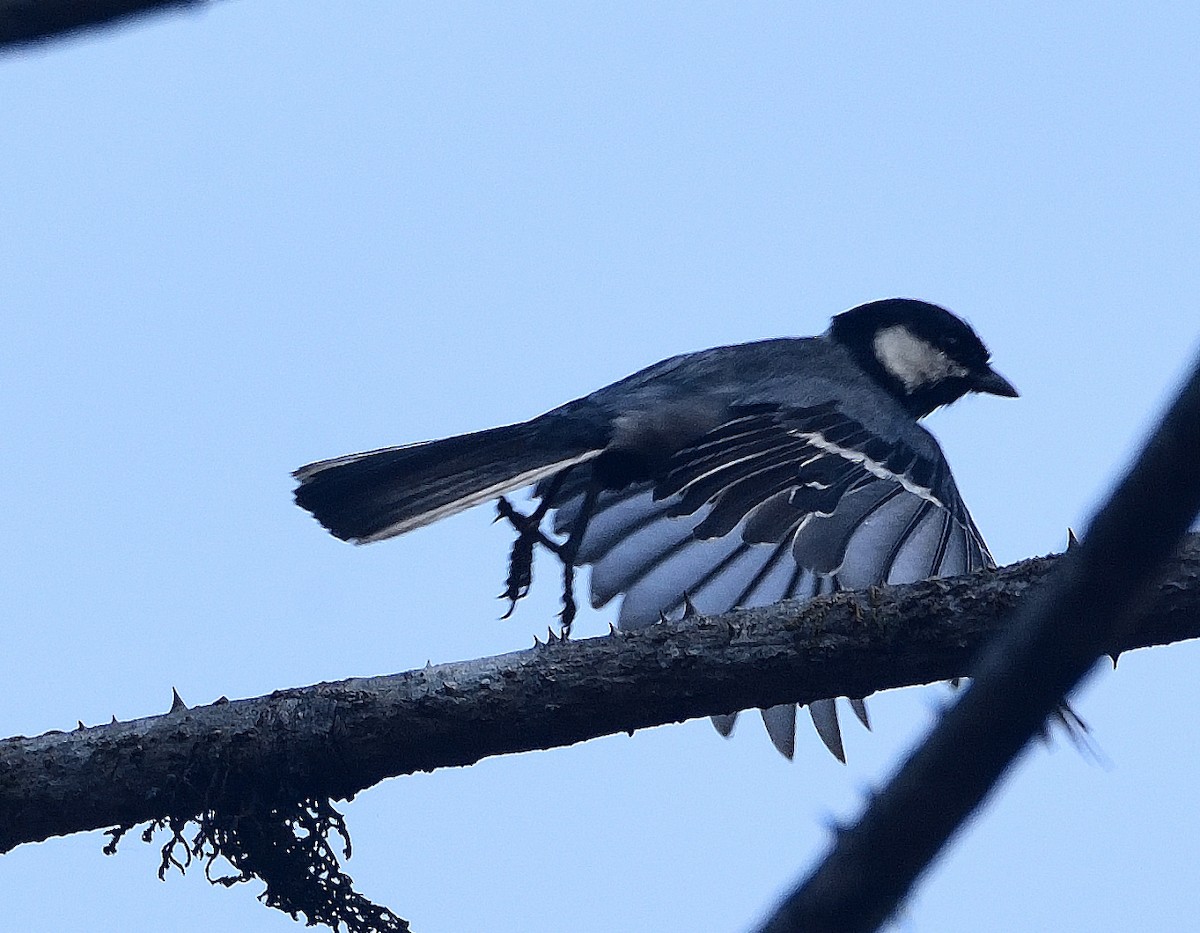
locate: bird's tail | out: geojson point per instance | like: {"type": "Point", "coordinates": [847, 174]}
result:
{"type": "Point", "coordinates": [381, 493]}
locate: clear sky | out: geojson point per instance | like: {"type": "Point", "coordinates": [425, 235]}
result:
{"type": "Point", "coordinates": [271, 232]}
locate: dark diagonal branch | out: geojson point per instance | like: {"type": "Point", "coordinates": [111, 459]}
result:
{"type": "Point", "coordinates": [26, 21]}
{"type": "Point", "coordinates": [334, 740]}
{"type": "Point", "coordinates": [1090, 602]}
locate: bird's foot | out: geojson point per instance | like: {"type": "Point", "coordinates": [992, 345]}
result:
{"type": "Point", "coordinates": [567, 616]}
{"type": "Point", "coordinates": [520, 573]}
{"type": "Point", "coordinates": [520, 560]}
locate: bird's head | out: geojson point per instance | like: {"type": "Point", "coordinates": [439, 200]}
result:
{"type": "Point", "coordinates": [920, 353]}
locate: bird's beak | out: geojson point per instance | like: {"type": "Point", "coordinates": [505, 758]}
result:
{"type": "Point", "coordinates": [992, 383]}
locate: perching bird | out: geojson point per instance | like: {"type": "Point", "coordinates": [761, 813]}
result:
{"type": "Point", "coordinates": [737, 476]}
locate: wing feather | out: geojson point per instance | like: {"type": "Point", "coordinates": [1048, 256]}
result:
{"type": "Point", "coordinates": [775, 503]}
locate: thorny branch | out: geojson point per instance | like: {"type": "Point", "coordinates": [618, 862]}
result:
{"type": "Point", "coordinates": [334, 740]}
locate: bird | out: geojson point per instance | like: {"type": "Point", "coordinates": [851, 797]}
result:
{"type": "Point", "coordinates": [737, 476]}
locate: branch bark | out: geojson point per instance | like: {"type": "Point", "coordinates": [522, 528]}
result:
{"type": "Point", "coordinates": [26, 21]}
{"type": "Point", "coordinates": [336, 739]}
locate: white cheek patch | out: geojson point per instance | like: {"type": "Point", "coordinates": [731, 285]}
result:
{"type": "Point", "coordinates": [913, 361]}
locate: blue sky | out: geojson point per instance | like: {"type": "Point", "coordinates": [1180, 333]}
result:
{"type": "Point", "coordinates": [267, 233]}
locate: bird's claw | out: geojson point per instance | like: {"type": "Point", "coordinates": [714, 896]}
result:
{"type": "Point", "coordinates": [520, 561]}
{"type": "Point", "coordinates": [567, 616]}
{"type": "Point", "coordinates": [520, 572]}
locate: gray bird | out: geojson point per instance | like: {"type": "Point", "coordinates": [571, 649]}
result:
{"type": "Point", "coordinates": [736, 476]}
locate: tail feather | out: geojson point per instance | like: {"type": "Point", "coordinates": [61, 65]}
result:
{"type": "Point", "coordinates": [382, 493]}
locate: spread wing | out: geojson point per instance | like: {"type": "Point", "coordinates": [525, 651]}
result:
{"type": "Point", "coordinates": [777, 503]}
{"type": "Point", "coordinates": [774, 504]}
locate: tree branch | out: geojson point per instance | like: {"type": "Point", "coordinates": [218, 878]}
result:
{"type": "Point", "coordinates": [26, 21]}
{"type": "Point", "coordinates": [1053, 640]}
{"type": "Point", "coordinates": [334, 740]}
